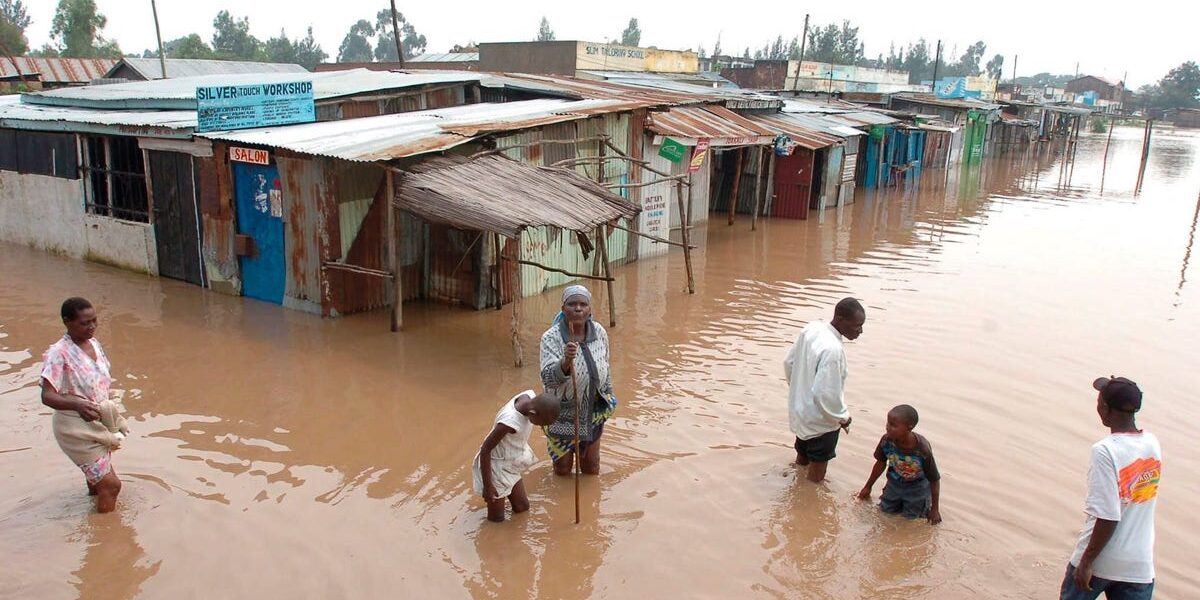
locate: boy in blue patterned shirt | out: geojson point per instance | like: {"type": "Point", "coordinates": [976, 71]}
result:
{"type": "Point", "coordinates": [913, 483]}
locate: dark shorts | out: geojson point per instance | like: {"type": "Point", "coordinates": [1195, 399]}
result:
{"type": "Point", "coordinates": [911, 499]}
{"type": "Point", "coordinates": [1113, 590]}
{"type": "Point", "coordinates": [818, 449]}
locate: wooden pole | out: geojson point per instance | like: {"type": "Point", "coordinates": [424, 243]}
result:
{"type": "Point", "coordinates": [393, 253]}
{"type": "Point", "coordinates": [685, 226]}
{"type": "Point", "coordinates": [1145, 154]}
{"type": "Point", "coordinates": [556, 270]}
{"type": "Point", "coordinates": [758, 187]}
{"type": "Point", "coordinates": [396, 33]}
{"type": "Point", "coordinates": [648, 236]}
{"type": "Point", "coordinates": [770, 193]}
{"type": "Point", "coordinates": [499, 277]}
{"type": "Point", "coordinates": [602, 255]}
{"type": "Point", "coordinates": [578, 450]}
{"type": "Point", "coordinates": [162, 56]}
{"type": "Point", "coordinates": [518, 291]}
{"type": "Point", "coordinates": [737, 180]}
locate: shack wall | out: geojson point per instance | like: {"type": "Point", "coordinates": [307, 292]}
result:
{"type": "Point", "coordinates": [42, 212]}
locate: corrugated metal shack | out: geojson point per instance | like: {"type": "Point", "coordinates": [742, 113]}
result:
{"type": "Point", "coordinates": [37, 73]}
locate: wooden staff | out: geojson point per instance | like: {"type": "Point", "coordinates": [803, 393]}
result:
{"type": "Point", "coordinates": [578, 450]}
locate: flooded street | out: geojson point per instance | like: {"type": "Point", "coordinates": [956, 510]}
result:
{"type": "Point", "coordinates": [278, 454]}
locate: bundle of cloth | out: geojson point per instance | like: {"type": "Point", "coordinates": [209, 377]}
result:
{"type": "Point", "coordinates": [86, 441]}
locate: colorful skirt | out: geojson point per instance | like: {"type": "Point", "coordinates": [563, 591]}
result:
{"type": "Point", "coordinates": [560, 446]}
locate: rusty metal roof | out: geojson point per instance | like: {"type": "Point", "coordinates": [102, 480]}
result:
{"type": "Point", "coordinates": [713, 122]}
{"type": "Point", "coordinates": [930, 99]}
{"type": "Point", "coordinates": [58, 71]}
{"type": "Point", "coordinates": [495, 193]}
{"type": "Point", "coordinates": [680, 94]}
{"type": "Point", "coordinates": [803, 135]}
{"type": "Point", "coordinates": [387, 137]}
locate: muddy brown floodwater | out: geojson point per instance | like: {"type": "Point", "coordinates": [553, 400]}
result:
{"type": "Point", "coordinates": [280, 455]}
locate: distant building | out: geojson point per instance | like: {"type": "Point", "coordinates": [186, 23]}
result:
{"type": "Point", "coordinates": [1100, 92]}
{"type": "Point", "coordinates": [49, 73]}
{"type": "Point", "coordinates": [144, 69]}
{"type": "Point", "coordinates": [1186, 117]}
{"type": "Point", "coordinates": [811, 76]}
{"type": "Point", "coordinates": [570, 57]}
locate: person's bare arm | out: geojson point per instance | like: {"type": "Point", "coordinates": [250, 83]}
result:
{"type": "Point", "coordinates": [876, 471]}
{"type": "Point", "coordinates": [52, 398]}
{"type": "Point", "coordinates": [1102, 531]}
{"type": "Point", "coordinates": [935, 490]}
{"type": "Point", "coordinates": [485, 459]}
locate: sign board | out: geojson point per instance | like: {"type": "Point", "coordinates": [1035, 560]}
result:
{"type": "Point", "coordinates": [784, 146]}
{"type": "Point", "coordinates": [698, 154]}
{"type": "Point", "coordinates": [672, 150]}
{"type": "Point", "coordinates": [224, 107]}
{"type": "Point", "coordinates": [249, 155]}
{"type": "Point", "coordinates": [655, 218]}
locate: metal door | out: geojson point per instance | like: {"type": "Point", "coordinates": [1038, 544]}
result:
{"type": "Point", "coordinates": [176, 225]}
{"type": "Point", "coordinates": [260, 216]}
{"type": "Point", "coordinates": [793, 184]}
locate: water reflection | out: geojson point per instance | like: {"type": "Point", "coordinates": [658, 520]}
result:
{"type": "Point", "coordinates": [114, 566]}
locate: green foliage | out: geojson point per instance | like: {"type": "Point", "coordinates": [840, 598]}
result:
{"type": "Point", "coordinates": [545, 34]}
{"type": "Point", "coordinates": [385, 46]}
{"type": "Point", "coordinates": [836, 45]}
{"type": "Point", "coordinates": [632, 36]}
{"type": "Point", "coordinates": [1180, 88]}
{"type": "Point", "coordinates": [75, 31]}
{"type": "Point", "coordinates": [995, 67]}
{"type": "Point", "coordinates": [232, 39]}
{"type": "Point", "coordinates": [13, 21]}
{"type": "Point", "coordinates": [1099, 125]}
{"type": "Point", "coordinates": [356, 46]}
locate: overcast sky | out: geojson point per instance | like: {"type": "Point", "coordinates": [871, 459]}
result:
{"type": "Point", "coordinates": [1145, 40]}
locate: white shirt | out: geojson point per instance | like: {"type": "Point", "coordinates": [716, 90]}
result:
{"type": "Point", "coordinates": [816, 372]}
{"type": "Point", "coordinates": [1123, 487]}
{"type": "Point", "coordinates": [514, 445]}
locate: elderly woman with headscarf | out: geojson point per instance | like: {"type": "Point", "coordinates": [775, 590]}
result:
{"type": "Point", "coordinates": [576, 347]}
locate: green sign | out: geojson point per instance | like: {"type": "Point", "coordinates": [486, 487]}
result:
{"type": "Point", "coordinates": [877, 132]}
{"type": "Point", "coordinates": [672, 150]}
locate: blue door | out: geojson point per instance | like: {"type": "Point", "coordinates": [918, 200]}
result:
{"type": "Point", "coordinates": [260, 216]}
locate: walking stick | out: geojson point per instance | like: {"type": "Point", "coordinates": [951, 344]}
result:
{"type": "Point", "coordinates": [578, 450]}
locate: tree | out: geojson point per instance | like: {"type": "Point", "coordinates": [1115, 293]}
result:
{"type": "Point", "coordinates": [76, 30]}
{"type": "Point", "coordinates": [717, 47]}
{"type": "Point", "coordinates": [995, 67]}
{"type": "Point", "coordinates": [632, 36]}
{"type": "Point", "coordinates": [280, 49]}
{"type": "Point", "coordinates": [849, 49]}
{"type": "Point", "coordinates": [793, 49]}
{"type": "Point", "coordinates": [469, 47]}
{"type": "Point", "coordinates": [918, 62]}
{"type": "Point", "coordinates": [232, 39]}
{"type": "Point", "coordinates": [1180, 88]}
{"type": "Point", "coordinates": [188, 46]}
{"type": "Point", "coordinates": [13, 21]}
{"type": "Point", "coordinates": [778, 51]}
{"type": "Point", "coordinates": [309, 53]}
{"type": "Point", "coordinates": [385, 47]}
{"type": "Point", "coordinates": [356, 46]}
{"type": "Point", "coordinates": [968, 64]}
{"type": "Point", "coordinates": [545, 34]}
{"type": "Point", "coordinates": [702, 53]}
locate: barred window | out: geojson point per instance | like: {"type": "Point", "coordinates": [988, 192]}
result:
{"type": "Point", "coordinates": [114, 177]}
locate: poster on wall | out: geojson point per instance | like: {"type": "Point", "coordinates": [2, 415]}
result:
{"type": "Point", "coordinates": [226, 107]}
{"type": "Point", "coordinates": [698, 155]}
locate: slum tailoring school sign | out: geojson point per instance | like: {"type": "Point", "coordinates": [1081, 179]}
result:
{"type": "Point", "coordinates": [698, 154]}
{"type": "Point", "coordinates": [249, 155]}
{"type": "Point", "coordinates": [223, 107]}
{"type": "Point", "coordinates": [672, 150]}
{"type": "Point", "coordinates": [654, 216]}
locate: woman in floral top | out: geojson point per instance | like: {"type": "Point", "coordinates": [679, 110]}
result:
{"type": "Point", "coordinates": [75, 380]}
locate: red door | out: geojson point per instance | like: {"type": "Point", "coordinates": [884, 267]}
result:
{"type": "Point", "coordinates": [793, 184]}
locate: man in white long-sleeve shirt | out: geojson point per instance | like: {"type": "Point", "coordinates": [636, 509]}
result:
{"type": "Point", "coordinates": [816, 372]}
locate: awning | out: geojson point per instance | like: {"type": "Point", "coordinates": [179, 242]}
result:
{"type": "Point", "coordinates": [722, 127]}
{"type": "Point", "coordinates": [803, 136]}
{"type": "Point", "coordinates": [495, 193]}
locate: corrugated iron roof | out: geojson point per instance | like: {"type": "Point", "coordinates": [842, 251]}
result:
{"type": "Point", "coordinates": [823, 124]}
{"type": "Point", "coordinates": [58, 71]}
{"type": "Point", "coordinates": [180, 92]}
{"type": "Point", "coordinates": [662, 93]}
{"type": "Point", "coordinates": [800, 133]}
{"type": "Point", "coordinates": [406, 134]}
{"type": "Point", "coordinates": [707, 122]}
{"type": "Point", "coordinates": [445, 57]}
{"type": "Point", "coordinates": [151, 68]}
{"type": "Point", "coordinates": [18, 115]}
{"type": "Point", "coordinates": [933, 100]}
{"type": "Point", "coordinates": [498, 194]}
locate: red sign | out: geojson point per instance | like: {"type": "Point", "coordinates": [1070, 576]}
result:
{"type": "Point", "coordinates": [698, 155]}
{"type": "Point", "coordinates": [249, 155]}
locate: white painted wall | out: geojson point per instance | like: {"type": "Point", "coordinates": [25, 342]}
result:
{"type": "Point", "coordinates": [42, 212]}
{"type": "Point", "coordinates": [47, 213]}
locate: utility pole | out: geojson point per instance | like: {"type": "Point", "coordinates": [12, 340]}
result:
{"type": "Point", "coordinates": [937, 58]}
{"type": "Point", "coordinates": [1015, 57]}
{"type": "Point", "coordinates": [803, 41]}
{"type": "Point", "coordinates": [162, 56]}
{"type": "Point", "coordinates": [1076, 69]}
{"type": "Point", "coordinates": [396, 33]}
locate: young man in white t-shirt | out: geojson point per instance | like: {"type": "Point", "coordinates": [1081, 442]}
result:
{"type": "Point", "coordinates": [1115, 552]}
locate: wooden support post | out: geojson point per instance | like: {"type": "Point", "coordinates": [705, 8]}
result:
{"type": "Point", "coordinates": [393, 251]}
{"type": "Point", "coordinates": [770, 193]}
{"type": "Point", "coordinates": [685, 226]}
{"type": "Point", "coordinates": [602, 254]}
{"type": "Point", "coordinates": [1145, 154]}
{"type": "Point", "coordinates": [758, 186]}
{"type": "Point", "coordinates": [737, 180]}
{"type": "Point", "coordinates": [518, 291]}
{"type": "Point", "coordinates": [499, 276]}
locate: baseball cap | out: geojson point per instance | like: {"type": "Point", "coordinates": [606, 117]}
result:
{"type": "Point", "coordinates": [1119, 393]}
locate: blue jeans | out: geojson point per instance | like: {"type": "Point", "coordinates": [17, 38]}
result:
{"type": "Point", "coordinates": [1113, 590]}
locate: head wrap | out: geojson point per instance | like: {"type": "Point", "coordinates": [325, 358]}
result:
{"type": "Point", "coordinates": [576, 290]}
